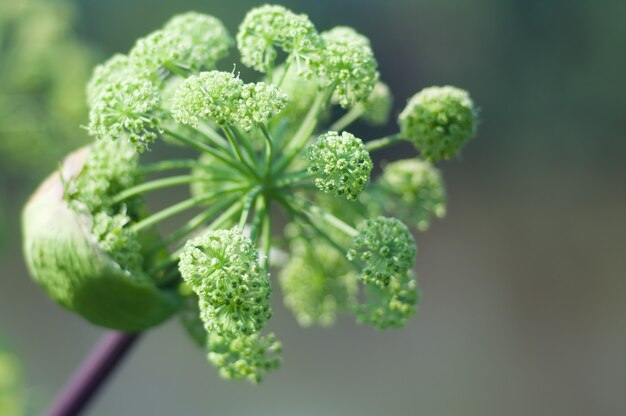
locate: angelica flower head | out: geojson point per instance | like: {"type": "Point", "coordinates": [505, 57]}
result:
{"type": "Point", "coordinates": [420, 190]}
{"type": "Point", "coordinates": [268, 27]}
{"type": "Point", "coordinates": [116, 68]}
{"type": "Point", "coordinates": [188, 43]}
{"type": "Point", "coordinates": [378, 105]}
{"type": "Point", "coordinates": [385, 248]}
{"type": "Point", "coordinates": [317, 281]}
{"type": "Point", "coordinates": [127, 107]}
{"type": "Point", "coordinates": [390, 306]}
{"type": "Point", "coordinates": [222, 267]}
{"type": "Point", "coordinates": [340, 164]}
{"type": "Point", "coordinates": [245, 357]}
{"type": "Point", "coordinates": [439, 121]}
{"type": "Point", "coordinates": [347, 61]}
{"type": "Point", "coordinates": [223, 98]}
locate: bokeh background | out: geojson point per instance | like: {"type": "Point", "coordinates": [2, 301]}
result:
{"type": "Point", "coordinates": [524, 283]}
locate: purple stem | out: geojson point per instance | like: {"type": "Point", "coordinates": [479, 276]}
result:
{"type": "Point", "coordinates": [92, 374]}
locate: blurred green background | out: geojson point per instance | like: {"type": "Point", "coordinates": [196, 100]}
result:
{"type": "Point", "coordinates": [524, 283]}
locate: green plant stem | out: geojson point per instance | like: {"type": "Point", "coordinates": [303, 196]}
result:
{"type": "Point", "coordinates": [306, 129]}
{"type": "Point", "coordinates": [211, 135]}
{"type": "Point", "coordinates": [382, 143]}
{"type": "Point", "coordinates": [193, 223]}
{"type": "Point", "coordinates": [291, 178]}
{"type": "Point", "coordinates": [267, 232]}
{"type": "Point", "coordinates": [293, 213]}
{"type": "Point", "coordinates": [217, 223]}
{"type": "Point", "coordinates": [259, 212]}
{"type": "Point", "coordinates": [154, 185]}
{"type": "Point", "coordinates": [247, 206]}
{"type": "Point", "coordinates": [314, 210]}
{"type": "Point", "coordinates": [179, 207]}
{"type": "Point", "coordinates": [284, 74]}
{"type": "Point", "coordinates": [206, 149]}
{"type": "Point", "coordinates": [234, 143]}
{"type": "Point", "coordinates": [269, 153]}
{"type": "Point", "coordinates": [348, 118]}
{"type": "Point", "coordinates": [166, 165]}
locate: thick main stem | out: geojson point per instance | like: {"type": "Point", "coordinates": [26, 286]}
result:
{"type": "Point", "coordinates": [92, 374]}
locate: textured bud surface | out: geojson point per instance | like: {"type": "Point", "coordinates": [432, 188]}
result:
{"type": "Point", "coordinates": [258, 102]}
{"type": "Point", "coordinates": [317, 282]}
{"type": "Point", "coordinates": [438, 121]}
{"type": "Point", "coordinates": [378, 105]}
{"type": "Point", "coordinates": [347, 61]}
{"type": "Point", "coordinates": [267, 27]}
{"type": "Point", "coordinates": [340, 164]}
{"type": "Point", "coordinates": [385, 248]}
{"type": "Point", "coordinates": [415, 191]}
{"type": "Point", "coordinates": [390, 306]}
{"type": "Point", "coordinates": [222, 267]}
{"type": "Point", "coordinates": [128, 108]}
{"type": "Point", "coordinates": [245, 357]}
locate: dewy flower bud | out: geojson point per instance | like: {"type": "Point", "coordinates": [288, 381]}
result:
{"type": "Point", "coordinates": [340, 164]}
{"type": "Point", "coordinates": [69, 262]}
{"type": "Point", "coordinates": [222, 267]}
{"type": "Point", "coordinates": [413, 190]}
{"type": "Point", "coordinates": [245, 357]}
{"type": "Point", "coordinates": [438, 121]}
{"type": "Point", "coordinates": [316, 282]}
{"type": "Point", "coordinates": [385, 247]}
{"type": "Point", "coordinates": [347, 60]}
{"type": "Point", "coordinates": [266, 27]}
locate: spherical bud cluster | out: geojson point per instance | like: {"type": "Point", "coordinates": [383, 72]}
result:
{"type": "Point", "coordinates": [212, 95]}
{"type": "Point", "coordinates": [245, 357]}
{"type": "Point", "coordinates": [385, 248]}
{"type": "Point", "coordinates": [390, 306]}
{"type": "Point", "coordinates": [340, 164]}
{"type": "Point", "coordinates": [438, 121]}
{"type": "Point", "coordinates": [258, 102]}
{"type": "Point", "coordinates": [126, 107]}
{"type": "Point", "coordinates": [377, 107]}
{"type": "Point", "coordinates": [207, 37]}
{"type": "Point", "coordinates": [110, 167]}
{"type": "Point", "coordinates": [347, 61]}
{"type": "Point", "coordinates": [225, 99]}
{"type": "Point", "coordinates": [317, 282]}
{"type": "Point", "coordinates": [222, 268]}
{"type": "Point", "coordinates": [188, 42]}
{"type": "Point", "coordinates": [414, 190]}
{"type": "Point", "coordinates": [116, 68]}
{"type": "Point", "coordinates": [267, 27]}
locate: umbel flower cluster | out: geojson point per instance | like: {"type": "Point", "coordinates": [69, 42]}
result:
{"type": "Point", "coordinates": [263, 147]}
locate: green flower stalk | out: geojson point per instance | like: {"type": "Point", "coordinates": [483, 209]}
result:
{"type": "Point", "coordinates": [264, 148]}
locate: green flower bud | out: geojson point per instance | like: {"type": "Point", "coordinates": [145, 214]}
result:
{"type": "Point", "coordinates": [340, 164]}
{"type": "Point", "coordinates": [225, 99]}
{"type": "Point", "coordinates": [377, 107]}
{"type": "Point", "coordinates": [75, 257]}
{"type": "Point", "coordinates": [207, 39]}
{"type": "Point", "coordinates": [316, 282]}
{"type": "Point", "coordinates": [222, 267]}
{"type": "Point", "coordinates": [267, 27]}
{"type": "Point", "coordinates": [116, 68]}
{"type": "Point", "coordinates": [245, 357]}
{"type": "Point", "coordinates": [385, 247]}
{"type": "Point", "coordinates": [259, 102]}
{"type": "Point", "coordinates": [347, 60]}
{"type": "Point", "coordinates": [110, 167]}
{"type": "Point", "coordinates": [390, 306]}
{"type": "Point", "coordinates": [127, 107]}
{"type": "Point", "coordinates": [438, 121]}
{"type": "Point", "coordinates": [414, 190]}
